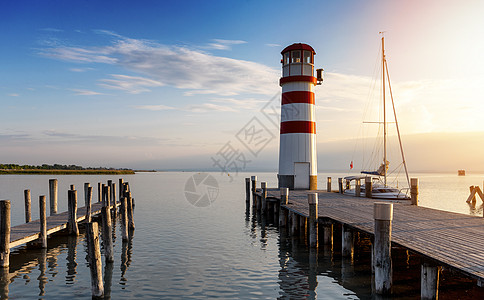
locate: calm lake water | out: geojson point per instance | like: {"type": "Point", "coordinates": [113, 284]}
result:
{"type": "Point", "coordinates": [183, 251]}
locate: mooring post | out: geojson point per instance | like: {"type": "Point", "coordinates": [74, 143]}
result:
{"type": "Point", "coordinates": [94, 256]}
{"type": "Point", "coordinates": [124, 218]}
{"type": "Point", "coordinates": [313, 219]}
{"type": "Point", "coordinates": [340, 185]}
{"type": "Point", "coordinates": [254, 188]}
{"type": "Point", "coordinates": [103, 194]}
{"type": "Point", "coordinates": [263, 186]}
{"type": "Point", "coordinates": [414, 190]}
{"type": "Point", "coordinates": [53, 189]}
{"type": "Point", "coordinates": [88, 204]}
{"type": "Point", "coordinates": [247, 190]}
{"type": "Point", "coordinates": [130, 212]}
{"type": "Point", "coordinates": [27, 198]}
{"type": "Point", "coordinates": [43, 222]}
{"type": "Point", "coordinates": [429, 288]}
{"type": "Point", "coordinates": [358, 188]}
{"type": "Point", "coordinates": [113, 199]}
{"type": "Point", "coordinates": [99, 192]}
{"type": "Point", "coordinates": [368, 187]}
{"type": "Point", "coordinates": [346, 242]}
{"type": "Point", "coordinates": [383, 215]}
{"type": "Point", "coordinates": [110, 182]}
{"type": "Point", "coordinates": [72, 227]}
{"type": "Point", "coordinates": [73, 187]}
{"type": "Point", "coordinates": [282, 211]}
{"type": "Point", "coordinates": [328, 185]}
{"type": "Point", "coordinates": [107, 229]}
{"type": "Point", "coordinates": [4, 233]}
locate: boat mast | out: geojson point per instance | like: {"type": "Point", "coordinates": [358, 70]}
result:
{"type": "Point", "coordinates": [384, 110]}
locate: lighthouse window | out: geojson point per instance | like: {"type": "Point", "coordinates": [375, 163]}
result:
{"type": "Point", "coordinates": [286, 58]}
{"type": "Point", "coordinates": [296, 56]}
{"type": "Point", "coordinates": [308, 57]}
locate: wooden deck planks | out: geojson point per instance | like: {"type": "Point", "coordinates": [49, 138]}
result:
{"type": "Point", "coordinates": [29, 232]}
{"type": "Point", "coordinates": [455, 240]}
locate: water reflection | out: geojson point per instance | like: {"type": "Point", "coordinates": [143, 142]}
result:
{"type": "Point", "coordinates": [42, 268]}
{"type": "Point", "coordinates": [4, 282]}
{"type": "Point", "coordinates": [71, 259]}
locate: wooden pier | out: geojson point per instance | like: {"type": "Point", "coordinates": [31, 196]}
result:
{"type": "Point", "coordinates": [443, 239]}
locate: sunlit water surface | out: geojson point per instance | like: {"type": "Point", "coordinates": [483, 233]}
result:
{"type": "Point", "coordinates": [183, 251]}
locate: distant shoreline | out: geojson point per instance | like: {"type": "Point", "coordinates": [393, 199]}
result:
{"type": "Point", "coordinates": [65, 172]}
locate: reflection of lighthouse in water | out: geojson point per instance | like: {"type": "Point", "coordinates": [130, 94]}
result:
{"type": "Point", "coordinates": [297, 152]}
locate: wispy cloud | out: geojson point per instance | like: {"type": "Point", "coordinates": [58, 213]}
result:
{"type": "Point", "coordinates": [273, 45]}
{"type": "Point", "coordinates": [210, 107]}
{"type": "Point", "coordinates": [85, 92]}
{"type": "Point", "coordinates": [154, 107]}
{"type": "Point", "coordinates": [181, 67]}
{"type": "Point", "coordinates": [219, 44]}
{"type": "Point", "coordinates": [14, 95]}
{"type": "Point", "coordinates": [49, 29]}
{"type": "Point", "coordinates": [80, 70]}
{"type": "Point", "coordinates": [130, 84]}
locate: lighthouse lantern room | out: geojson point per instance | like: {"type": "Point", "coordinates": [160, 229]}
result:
{"type": "Point", "coordinates": [297, 152]}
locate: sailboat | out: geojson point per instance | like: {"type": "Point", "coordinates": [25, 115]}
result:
{"type": "Point", "coordinates": [380, 187]}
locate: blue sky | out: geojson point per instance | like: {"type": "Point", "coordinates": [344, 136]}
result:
{"type": "Point", "coordinates": [167, 84]}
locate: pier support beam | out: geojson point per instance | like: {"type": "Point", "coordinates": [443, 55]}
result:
{"type": "Point", "coordinates": [247, 190]}
{"type": "Point", "coordinates": [28, 201]}
{"type": "Point", "coordinates": [347, 243]}
{"type": "Point", "coordinates": [368, 187]}
{"type": "Point", "coordinates": [88, 203]}
{"type": "Point", "coordinates": [263, 197]}
{"type": "Point", "coordinates": [72, 227]}
{"type": "Point", "coordinates": [414, 190]}
{"type": "Point", "coordinates": [53, 188]}
{"type": "Point", "coordinates": [294, 223]}
{"type": "Point", "coordinates": [4, 233]}
{"type": "Point", "coordinates": [313, 220]}
{"type": "Point", "coordinates": [328, 234]}
{"type": "Point", "coordinates": [283, 211]}
{"type": "Point", "coordinates": [302, 226]}
{"type": "Point", "coordinates": [328, 185]}
{"type": "Point", "coordinates": [382, 262]}
{"type": "Point", "coordinates": [429, 282]}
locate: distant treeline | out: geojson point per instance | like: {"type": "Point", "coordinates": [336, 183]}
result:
{"type": "Point", "coordinates": [59, 169]}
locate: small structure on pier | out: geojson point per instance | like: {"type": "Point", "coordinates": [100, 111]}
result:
{"type": "Point", "coordinates": [297, 153]}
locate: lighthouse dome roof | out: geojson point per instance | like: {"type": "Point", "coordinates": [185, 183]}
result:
{"type": "Point", "coordinates": [298, 46]}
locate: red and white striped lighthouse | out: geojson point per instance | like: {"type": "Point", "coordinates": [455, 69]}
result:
{"type": "Point", "coordinates": [297, 153]}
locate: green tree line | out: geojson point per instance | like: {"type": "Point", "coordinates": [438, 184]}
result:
{"type": "Point", "coordinates": [50, 167]}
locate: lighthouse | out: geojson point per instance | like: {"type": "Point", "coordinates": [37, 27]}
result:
{"type": "Point", "coordinates": [297, 153]}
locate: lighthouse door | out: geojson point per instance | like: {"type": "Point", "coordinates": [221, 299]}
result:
{"type": "Point", "coordinates": [301, 178]}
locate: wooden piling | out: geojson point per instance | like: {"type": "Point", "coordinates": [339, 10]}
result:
{"type": "Point", "coordinates": [53, 189]}
{"type": "Point", "coordinates": [73, 187]}
{"type": "Point", "coordinates": [124, 218]}
{"type": "Point", "coordinates": [99, 192]}
{"type": "Point", "coordinates": [282, 211]}
{"type": "Point", "coordinates": [254, 188]}
{"type": "Point", "coordinates": [263, 186]}
{"type": "Point", "coordinates": [43, 222]}
{"type": "Point", "coordinates": [346, 242]}
{"type": "Point", "coordinates": [103, 194]}
{"type": "Point", "coordinates": [328, 234]}
{"type": "Point", "coordinates": [107, 228]}
{"type": "Point", "coordinates": [294, 223]}
{"type": "Point", "coordinates": [328, 185]}
{"type": "Point", "coordinates": [414, 190]}
{"type": "Point", "coordinates": [429, 288]}
{"type": "Point", "coordinates": [113, 199]}
{"type": "Point", "coordinates": [88, 204]}
{"type": "Point", "coordinates": [340, 185]}
{"type": "Point", "coordinates": [130, 212]}
{"type": "Point", "coordinates": [247, 190]}
{"type": "Point", "coordinates": [302, 226]}
{"type": "Point", "coordinates": [94, 256]}
{"type": "Point", "coordinates": [383, 215]}
{"type": "Point", "coordinates": [72, 227]}
{"type": "Point", "coordinates": [358, 188]}
{"type": "Point", "coordinates": [368, 187]}
{"type": "Point", "coordinates": [121, 188]}
{"type": "Point", "coordinates": [4, 233]}
{"type": "Point", "coordinates": [27, 198]}
{"type": "Point", "coordinates": [313, 220]}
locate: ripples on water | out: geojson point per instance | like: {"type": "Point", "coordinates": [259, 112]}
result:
{"type": "Point", "coordinates": [223, 251]}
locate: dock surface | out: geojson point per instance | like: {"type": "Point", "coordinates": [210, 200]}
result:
{"type": "Point", "coordinates": [28, 232]}
{"type": "Point", "coordinates": [453, 240]}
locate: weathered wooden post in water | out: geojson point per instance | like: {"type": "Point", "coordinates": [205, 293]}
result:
{"type": "Point", "coordinates": [107, 229]}
{"type": "Point", "coordinates": [382, 262]}
{"type": "Point", "coordinates": [340, 185]}
{"type": "Point", "coordinates": [247, 190]}
{"type": "Point", "coordinates": [283, 212]}
{"type": "Point", "coordinates": [368, 187]}
{"type": "Point", "coordinates": [53, 189]}
{"type": "Point", "coordinates": [72, 227]}
{"type": "Point", "coordinates": [113, 200]}
{"type": "Point", "coordinates": [414, 190]}
{"type": "Point", "coordinates": [94, 256]}
{"type": "Point", "coordinates": [313, 220]}
{"type": "Point", "coordinates": [429, 288]}
{"type": "Point", "coordinates": [124, 218]}
{"type": "Point", "coordinates": [254, 188]}
{"type": "Point", "coordinates": [88, 204]}
{"type": "Point", "coordinates": [328, 185]}
{"type": "Point", "coordinates": [43, 222]}
{"type": "Point", "coordinates": [346, 242]}
{"type": "Point", "coordinates": [4, 233]}
{"type": "Point", "coordinates": [129, 203]}
{"type": "Point", "coordinates": [263, 197]}
{"type": "Point", "coordinates": [99, 192]}
{"type": "Point", "coordinates": [27, 206]}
